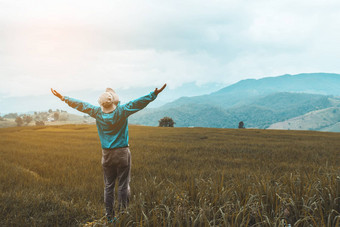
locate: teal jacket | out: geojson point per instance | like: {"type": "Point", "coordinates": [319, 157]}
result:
{"type": "Point", "coordinates": [112, 127]}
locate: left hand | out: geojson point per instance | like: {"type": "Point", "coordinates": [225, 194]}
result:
{"type": "Point", "coordinates": [157, 91]}
{"type": "Point", "coordinates": [57, 94]}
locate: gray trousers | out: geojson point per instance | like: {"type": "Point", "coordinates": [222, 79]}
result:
{"type": "Point", "coordinates": [116, 165]}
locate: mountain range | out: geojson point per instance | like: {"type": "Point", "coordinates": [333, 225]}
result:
{"type": "Point", "coordinates": [308, 101]}
{"type": "Point", "coordinates": [261, 103]}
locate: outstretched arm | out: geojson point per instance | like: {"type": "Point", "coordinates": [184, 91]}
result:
{"type": "Point", "coordinates": [140, 103]}
{"type": "Point", "coordinates": [77, 104]}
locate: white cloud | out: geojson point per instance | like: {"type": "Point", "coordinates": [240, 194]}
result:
{"type": "Point", "coordinates": [81, 45]}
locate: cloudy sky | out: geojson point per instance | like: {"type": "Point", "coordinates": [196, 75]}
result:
{"type": "Point", "coordinates": [85, 44]}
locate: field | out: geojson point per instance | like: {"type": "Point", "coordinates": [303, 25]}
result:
{"type": "Point", "coordinates": [51, 175]}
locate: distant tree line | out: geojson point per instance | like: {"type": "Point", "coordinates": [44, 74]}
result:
{"type": "Point", "coordinates": [39, 117]}
{"type": "Point", "coordinates": [24, 119]}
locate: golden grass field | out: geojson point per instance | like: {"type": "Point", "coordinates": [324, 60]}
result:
{"type": "Point", "coordinates": [52, 176]}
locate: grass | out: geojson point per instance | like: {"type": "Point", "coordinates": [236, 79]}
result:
{"type": "Point", "coordinates": [52, 175]}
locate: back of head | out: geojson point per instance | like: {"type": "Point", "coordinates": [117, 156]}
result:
{"type": "Point", "coordinates": [108, 101]}
{"type": "Point", "coordinates": [114, 94]}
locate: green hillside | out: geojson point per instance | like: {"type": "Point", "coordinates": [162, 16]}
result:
{"type": "Point", "coordinates": [261, 113]}
{"type": "Point", "coordinates": [258, 103]}
{"type": "Point", "coordinates": [324, 120]}
{"type": "Point", "coordinates": [277, 107]}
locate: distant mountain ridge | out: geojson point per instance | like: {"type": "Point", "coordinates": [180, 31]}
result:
{"type": "Point", "coordinates": [246, 91]}
{"type": "Point", "coordinates": [259, 103]}
{"type": "Point", "coordinates": [312, 83]}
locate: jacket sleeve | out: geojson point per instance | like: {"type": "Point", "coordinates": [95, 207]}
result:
{"type": "Point", "coordinates": [138, 104]}
{"type": "Point", "coordinates": [82, 106]}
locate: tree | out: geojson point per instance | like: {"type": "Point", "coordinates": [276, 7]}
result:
{"type": "Point", "coordinates": [27, 119]}
{"type": "Point", "coordinates": [56, 116]}
{"type": "Point", "coordinates": [166, 122]}
{"type": "Point", "coordinates": [50, 110]}
{"type": "Point", "coordinates": [19, 121]}
{"type": "Point", "coordinates": [241, 124]}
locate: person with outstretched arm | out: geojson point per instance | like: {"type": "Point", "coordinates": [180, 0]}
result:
{"type": "Point", "coordinates": [112, 125]}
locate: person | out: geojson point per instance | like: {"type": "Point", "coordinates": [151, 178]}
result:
{"type": "Point", "coordinates": [112, 125]}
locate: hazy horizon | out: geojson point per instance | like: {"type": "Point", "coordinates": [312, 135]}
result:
{"type": "Point", "coordinates": [33, 103]}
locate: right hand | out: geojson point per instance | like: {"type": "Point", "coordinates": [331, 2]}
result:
{"type": "Point", "coordinates": [157, 91]}
{"type": "Point", "coordinates": [57, 94]}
